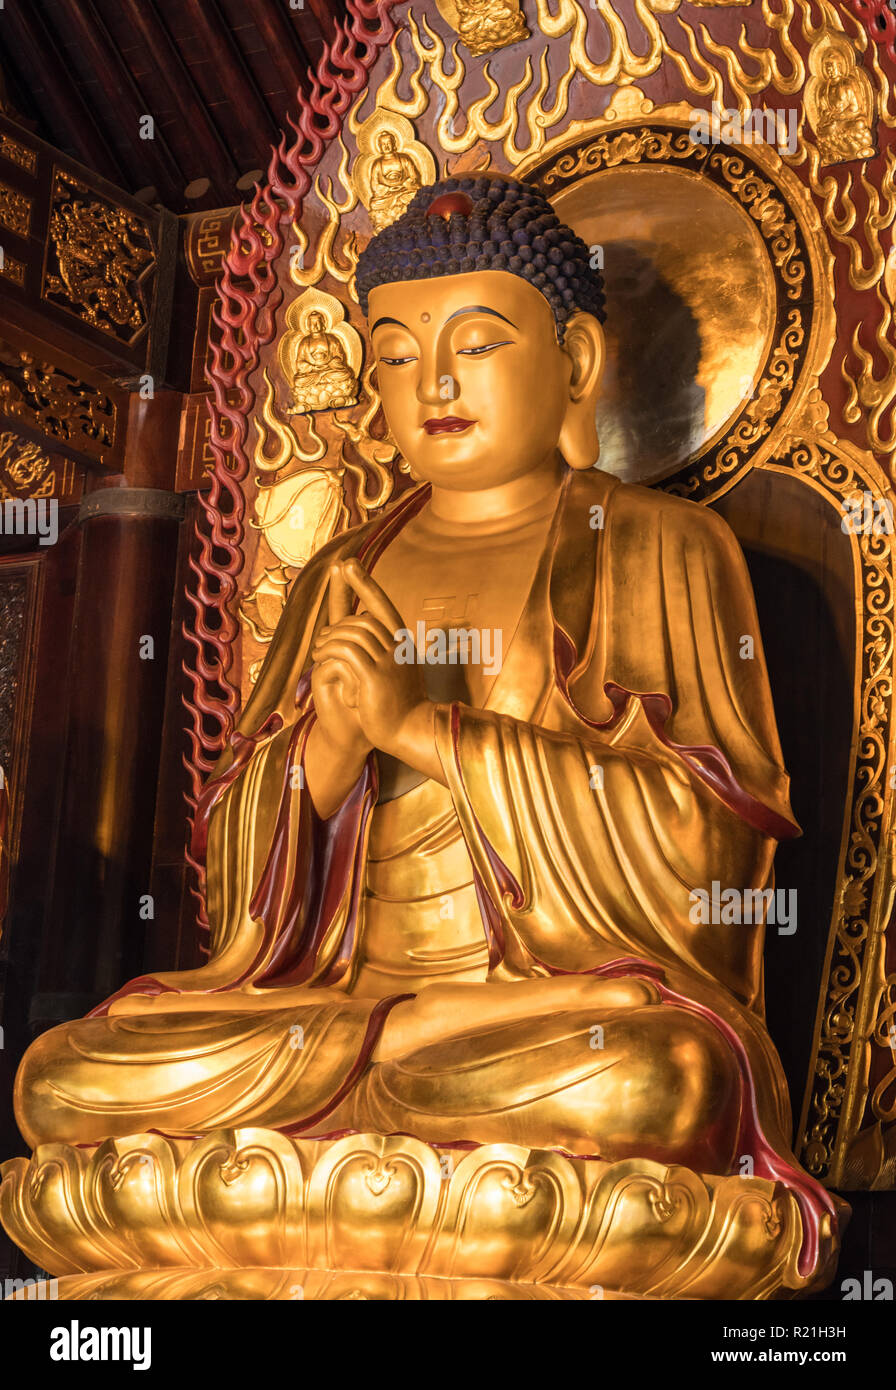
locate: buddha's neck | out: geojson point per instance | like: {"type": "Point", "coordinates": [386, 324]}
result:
{"type": "Point", "coordinates": [490, 510]}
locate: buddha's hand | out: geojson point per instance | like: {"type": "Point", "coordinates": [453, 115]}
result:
{"type": "Point", "coordinates": [334, 687]}
{"type": "Point", "coordinates": [334, 690]}
{"type": "Point", "coordinates": [390, 695]}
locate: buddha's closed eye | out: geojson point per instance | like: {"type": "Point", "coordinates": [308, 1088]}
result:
{"type": "Point", "coordinates": [486, 347]}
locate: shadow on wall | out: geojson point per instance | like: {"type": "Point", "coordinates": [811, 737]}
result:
{"type": "Point", "coordinates": [651, 412]}
{"type": "Point", "coordinates": [801, 568]}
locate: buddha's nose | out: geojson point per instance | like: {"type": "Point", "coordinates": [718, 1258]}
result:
{"type": "Point", "coordinates": [437, 384]}
{"type": "Point", "coordinates": [437, 387]}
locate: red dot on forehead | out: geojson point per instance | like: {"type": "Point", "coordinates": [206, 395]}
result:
{"type": "Point", "coordinates": [448, 203]}
{"type": "Point", "coordinates": [424, 318]}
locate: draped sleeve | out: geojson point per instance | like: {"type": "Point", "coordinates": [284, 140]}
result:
{"type": "Point", "coordinates": [653, 770]}
{"type": "Point", "coordinates": [281, 884]}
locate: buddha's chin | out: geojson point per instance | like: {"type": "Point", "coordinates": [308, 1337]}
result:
{"type": "Point", "coordinates": [454, 470]}
{"type": "Point", "coordinates": [457, 464]}
{"type": "Point", "coordinates": [466, 475]}
{"type": "Point", "coordinates": [465, 478]}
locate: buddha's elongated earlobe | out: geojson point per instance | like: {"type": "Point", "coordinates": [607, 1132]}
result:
{"type": "Point", "coordinates": [398, 462]}
{"type": "Point", "coordinates": [584, 344]}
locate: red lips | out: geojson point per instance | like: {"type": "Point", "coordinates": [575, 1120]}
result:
{"type": "Point", "coordinates": [447, 424]}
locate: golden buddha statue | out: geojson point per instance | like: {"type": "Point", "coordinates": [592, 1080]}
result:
{"type": "Point", "coordinates": [453, 906]}
{"type": "Point", "coordinates": [394, 179]}
{"type": "Point", "coordinates": [323, 379]}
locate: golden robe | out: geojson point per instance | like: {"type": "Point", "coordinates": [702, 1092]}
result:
{"type": "Point", "coordinates": [627, 755]}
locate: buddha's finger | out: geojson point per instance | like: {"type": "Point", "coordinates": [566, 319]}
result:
{"type": "Point", "coordinates": [333, 671]}
{"type": "Point", "coordinates": [360, 638]}
{"type": "Point", "coordinates": [380, 605]}
{"type": "Point", "coordinates": [360, 660]}
{"type": "Point", "coordinates": [340, 677]}
{"type": "Point", "coordinates": [340, 595]}
{"type": "Point", "coordinates": [361, 622]}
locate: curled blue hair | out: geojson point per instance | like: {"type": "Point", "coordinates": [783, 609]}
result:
{"type": "Point", "coordinates": [485, 222]}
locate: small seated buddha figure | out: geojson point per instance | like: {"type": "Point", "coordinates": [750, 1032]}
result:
{"type": "Point", "coordinates": [323, 379]}
{"type": "Point", "coordinates": [470, 887]}
{"type": "Point", "coordinates": [845, 110]}
{"type": "Point", "coordinates": [394, 179]}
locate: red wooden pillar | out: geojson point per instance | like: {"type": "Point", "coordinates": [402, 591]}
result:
{"type": "Point", "coordinates": [99, 882]}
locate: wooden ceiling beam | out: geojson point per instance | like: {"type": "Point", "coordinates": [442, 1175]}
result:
{"type": "Point", "coordinates": [284, 47]}
{"type": "Point", "coordinates": [67, 108]}
{"type": "Point", "coordinates": [107, 65]}
{"type": "Point", "coordinates": [217, 162]}
{"type": "Point", "coordinates": [327, 15]}
{"type": "Point", "coordinates": [248, 103]}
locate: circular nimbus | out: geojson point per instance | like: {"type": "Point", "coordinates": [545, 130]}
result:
{"type": "Point", "coordinates": [691, 312]}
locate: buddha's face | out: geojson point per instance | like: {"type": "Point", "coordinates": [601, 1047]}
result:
{"type": "Point", "coordinates": [316, 323]}
{"type": "Point", "coordinates": [474, 385]}
{"type": "Point", "coordinates": [386, 143]}
{"type": "Point", "coordinates": [834, 66]}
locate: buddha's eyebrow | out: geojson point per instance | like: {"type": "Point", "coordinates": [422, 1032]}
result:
{"type": "Point", "coordinates": [479, 309]}
{"type": "Point", "coordinates": [379, 323]}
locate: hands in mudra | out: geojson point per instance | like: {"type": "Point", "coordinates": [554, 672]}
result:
{"type": "Point", "coordinates": [361, 695]}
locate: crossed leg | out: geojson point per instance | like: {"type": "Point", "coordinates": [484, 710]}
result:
{"type": "Point", "coordinates": [597, 1067]}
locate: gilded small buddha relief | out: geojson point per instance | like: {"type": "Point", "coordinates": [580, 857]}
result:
{"type": "Point", "coordinates": [320, 355]}
{"type": "Point", "coordinates": [839, 102]}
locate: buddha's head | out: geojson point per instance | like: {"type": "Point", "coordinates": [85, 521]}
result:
{"type": "Point", "coordinates": [386, 143]}
{"type": "Point", "coordinates": [834, 65]}
{"type": "Point", "coordinates": [485, 316]}
{"type": "Point", "coordinates": [316, 322]}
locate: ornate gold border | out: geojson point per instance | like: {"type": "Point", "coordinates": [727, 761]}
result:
{"type": "Point", "coordinates": [849, 1002]}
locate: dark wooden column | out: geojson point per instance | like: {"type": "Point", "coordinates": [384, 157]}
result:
{"type": "Point", "coordinates": [116, 703]}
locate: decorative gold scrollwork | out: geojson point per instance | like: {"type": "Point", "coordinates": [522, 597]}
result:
{"type": "Point", "coordinates": [99, 255]}
{"type": "Point", "coordinates": [59, 405]}
{"type": "Point", "coordinates": [25, 469]}
{"type": "Point", "coordinates": [15, 210]}
{"type": "Point", "coordinates": [17, 154]}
